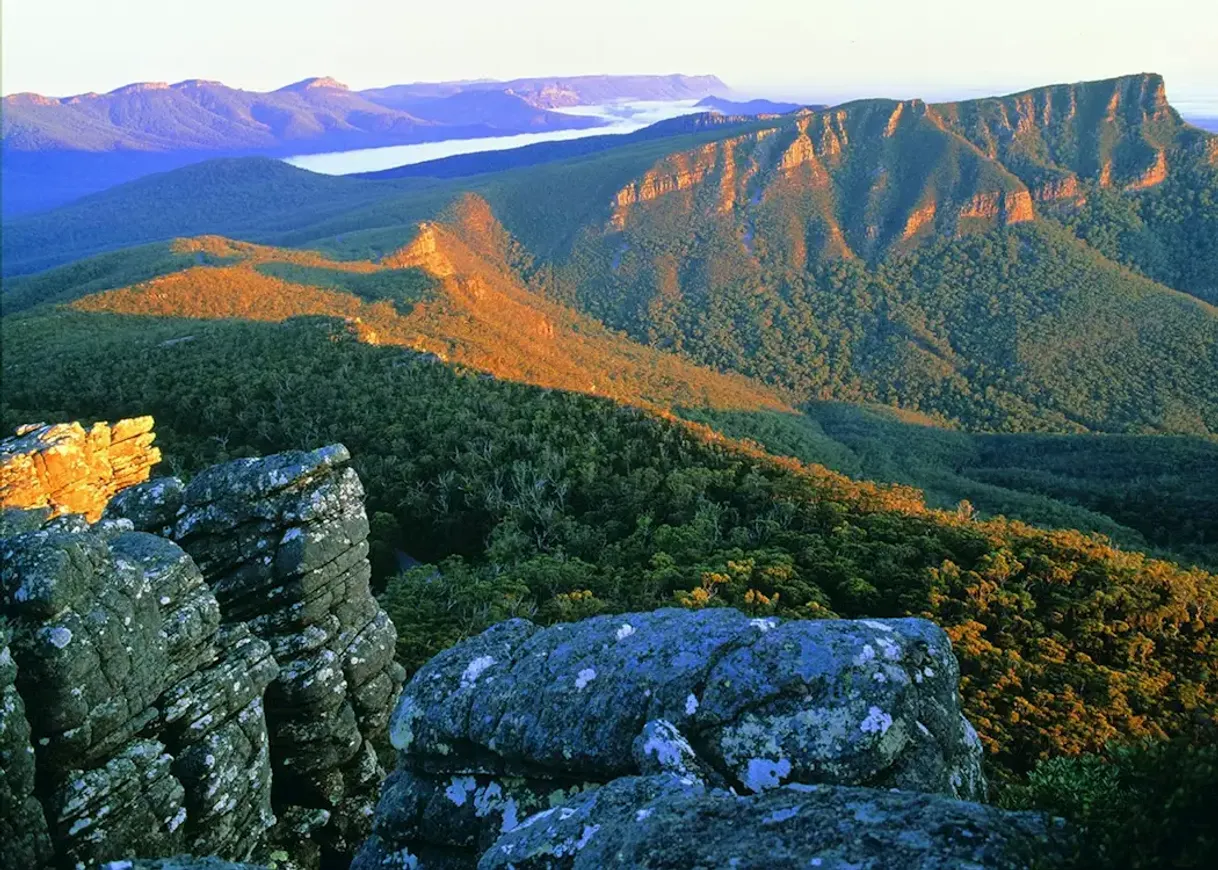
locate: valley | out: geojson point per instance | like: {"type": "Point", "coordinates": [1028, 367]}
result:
{"type": "Point", "coordinates": [617, 119]}
{"type": "Point", "coordinates": [889, 359]}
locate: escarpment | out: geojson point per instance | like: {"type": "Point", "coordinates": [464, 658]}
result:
{"type": "Point", "coordinates": [204, 670]}
{"type": "Point", "coordinates": [875, 177]}
{"type": "Point", "coordinates": [703, 738]}
{"type": "Point", "coordinates": [1118, 132]}
{"type": "Point", "coordinates": [858, 180]}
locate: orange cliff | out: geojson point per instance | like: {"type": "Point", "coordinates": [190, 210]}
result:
{"type": "Point", "coordinates": [70, 470]}
{"type": "Point", "coordinates": [1012, 206]}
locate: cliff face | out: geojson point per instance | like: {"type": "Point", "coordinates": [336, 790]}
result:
{"type": "Point", "coordinates": [872, 176]}
{"type": "Point", "coordinates": [70, 470]}
{"type": "Point", "coordinates": [1117, 133]}
{"type": "Point", "coordinates": [858, 180]}
{"type": "Point", "coordinates": [203, 670]}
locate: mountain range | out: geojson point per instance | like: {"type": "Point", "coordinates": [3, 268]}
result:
{"type": "Point", "coordinates": [60, 148]}
{"type": "Point", "coordinates": [1043, 261]}
{"type": "Point", "coordinates": [888, 358]}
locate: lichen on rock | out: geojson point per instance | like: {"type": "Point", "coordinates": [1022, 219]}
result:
{"type": "Point", "coordinates": [699, 700]}
{"type": "Point", "coordinates": [207, 695]}
{"type": "Point", "coordinates": [661, 822]}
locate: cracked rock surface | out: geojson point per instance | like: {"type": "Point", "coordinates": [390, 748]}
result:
{"type": "Point", "coordinates": [202, 671]}
{"type": "Point", "coordinates": [661, 822]}
{"type": "Point", "coordinates": [699, 700]}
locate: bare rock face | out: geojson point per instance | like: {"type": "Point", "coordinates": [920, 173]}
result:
{"type": "Point", "coordinates": [24, 840]}
{"type": "Point", "coordinates": [143, 713]}
{"type": "Point", "coordinates": [73, 471]}
{"type": "Point", "coordinates": [207, 696]}
{"type": "Point", "coordinates": [282, 542]}
{"type": "Point", "coordinates": [664, 821]}
{"type": "Point", "coordinates": [494, 728]}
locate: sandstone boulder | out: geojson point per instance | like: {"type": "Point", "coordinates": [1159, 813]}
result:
{"type": "Point", "coordinates": [67, 469]}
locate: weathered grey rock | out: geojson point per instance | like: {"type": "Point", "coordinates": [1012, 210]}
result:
{"type": "Point", "coordinates": [709, 697]}
{"type": "Point", "coordinates": [457, 816]}
{"type": "Point", "coordinates": [151, 506]}
{"type": "Point", "coordinates": [190, 614]}
{"type": "Point", "coordinates": [141, 687]}
{"type": "Point", "coordinates": [871, 702]}
{"type": "Point", "coordinates": [664, 822]}
{"type": "Point", "coordinates": [24, 841]}
{"type": "Point", "coordinates": [119, 640]}
{"type": "Point", "coordinates": [282, 542]}
{"type": "Point", "coordinates": [93, 658]}
{"type": "Point", "coordinates": [132, 803]}
{"type": "Point", "coordinates": [214, 723]}
{"type": "Point", "coordinates": [14, 521]}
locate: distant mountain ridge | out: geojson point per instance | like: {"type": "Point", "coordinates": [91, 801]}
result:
{"type": "Point", "coordinates": [58, 149]}
{"type": "Point", "coordinates": [1041, 261]}
{"type": "Point", "coordinates": [562, 92]}
{"type": "Point", "coordinates": [314, 113]}
{"type": "Point", "coordinates": [201, 115]}
{"type": "Point", "coordinates": [752, 107]}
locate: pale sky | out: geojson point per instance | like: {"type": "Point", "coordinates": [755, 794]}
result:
{"type": "Point", "coordinates": [781, 48]}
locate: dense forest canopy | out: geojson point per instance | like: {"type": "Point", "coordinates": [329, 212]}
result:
{"type": "Point", "coordinates": [558, 505]}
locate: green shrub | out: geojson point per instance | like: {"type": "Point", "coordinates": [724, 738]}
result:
{"type": "Point", "coordinates": [1145, 806]}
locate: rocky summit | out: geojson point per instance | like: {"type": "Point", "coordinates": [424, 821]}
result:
{"type": "Point", "coordinates": [692, 739]}
{"type": "Point", "coordinates": [203, 670]}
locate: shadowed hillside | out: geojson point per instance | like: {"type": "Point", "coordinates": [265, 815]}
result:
{"type": "Point", "coordinates": [560, 505]}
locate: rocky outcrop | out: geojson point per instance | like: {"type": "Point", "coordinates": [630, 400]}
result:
{"type": "Point", "coordinates": [143, 713]}
{"type": "Point", "coordinates": [520, 717]}
{"type": "Point", "coordinates": [667, 821]}
{"type": "Point", "coordinates": [1154, 174]}
{"type": "Point", "coordinates": [73, 471]}
{"type": "Point", "coordinates": [187, 696]}
{"type": "Point", "coordinates": [1063, 187]}
{"type": "Point", "coordinates": [1012, 207]}
{"type": "Point", "coordinates": [423, 253]}
{"type": "Point", "coordinates": [24, 841]}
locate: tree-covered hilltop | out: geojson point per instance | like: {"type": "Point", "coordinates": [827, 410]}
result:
{"type": "Point", "coordinates": [1023, 328]}
{"type": "Point", "coordinates": [558, 505]}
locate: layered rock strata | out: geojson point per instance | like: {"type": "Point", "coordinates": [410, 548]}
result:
{"type": "Point", "coordinates": [73, 471]}
{"type": "Point", "coordinates": [282, 542]}
{"type": "Point", "coordinates": [162, 697]}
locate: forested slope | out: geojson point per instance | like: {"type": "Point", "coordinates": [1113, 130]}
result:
{"type": "Point", "coordinates": [561, 505]}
